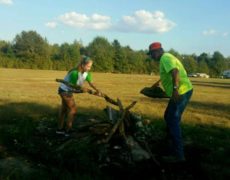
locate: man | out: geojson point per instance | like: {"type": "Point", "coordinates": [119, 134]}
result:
{"type": "Point", "coordinates": [178, 87]}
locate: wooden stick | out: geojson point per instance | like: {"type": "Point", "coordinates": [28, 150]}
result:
{"type": "Point", "coordinates": [120, 120]}
{"type": "Point", "coordinates": [113, 130]}
{"type": "Point", "coordinates": [121, 125]}
{"type": "Point", "coordinates": [131, 105]}
{"type": "Point", "coordinates": [79, 89]}
{"type": "Point", "coordinates": [68, 84]}
{"type": "Point", "coordinates": [151, 154]}
{"type": "Point", "coordinates": [108, 99]}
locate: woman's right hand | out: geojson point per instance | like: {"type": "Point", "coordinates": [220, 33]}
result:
{"type": "Point", "coordinates": [84, 89]}
{"type": "Point", "coordinates": [99, 93]}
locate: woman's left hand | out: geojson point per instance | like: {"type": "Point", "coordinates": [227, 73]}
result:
{"type": "Point", "coordinates": [99, 93]}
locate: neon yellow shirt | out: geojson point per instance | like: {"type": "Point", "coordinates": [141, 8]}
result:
{"type": "Point", "coordinates": [167, 63]}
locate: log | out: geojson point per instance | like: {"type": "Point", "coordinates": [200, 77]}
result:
{"type": "Point", "coordinates": [79, 89]}
{"type": "Point", "coordinates": [113, 130]}
{"type": "Point", "coordinates": [138, 153]}
{"type": "Point", "coordinates": [120, 122]}
{"type": "Point", "coordinates": [100, 129]}
{"type": "Point", "coordinates": [108, 99]}
{"type": "Point", "coordinates": [112, 114]}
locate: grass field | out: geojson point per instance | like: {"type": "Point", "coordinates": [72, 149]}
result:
{"type": "Point", "coordinates": [32, 94]}
{"type": "Point", "coordinates": [210, 103]}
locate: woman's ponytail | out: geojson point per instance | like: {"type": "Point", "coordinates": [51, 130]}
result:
{"type": "Point", "coordinates": [85, 60]}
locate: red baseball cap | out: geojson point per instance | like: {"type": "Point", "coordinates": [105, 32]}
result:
{"type": "Point", "coordinates": [155, 46]}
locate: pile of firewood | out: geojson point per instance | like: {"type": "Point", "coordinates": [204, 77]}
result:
{"type": "Point", "coordinates": [121, 125]}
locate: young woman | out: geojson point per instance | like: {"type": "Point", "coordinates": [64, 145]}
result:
{"type": "Point", "coordinates": [75, 76]}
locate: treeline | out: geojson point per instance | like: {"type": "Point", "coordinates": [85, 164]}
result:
{"type": "Point", "coordinates": [31, 50]}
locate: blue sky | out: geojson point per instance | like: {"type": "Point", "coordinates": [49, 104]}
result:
{"type": "Point", "coordinates": [188, 26]}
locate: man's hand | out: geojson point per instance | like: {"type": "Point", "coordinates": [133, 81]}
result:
{"type": "Point", "coordinates": [156, 84]}
{"type": "Point", "coordinates": [175, 95]}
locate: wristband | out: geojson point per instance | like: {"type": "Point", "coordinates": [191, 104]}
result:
{"type": "Point", "coordinates": [175, 87]}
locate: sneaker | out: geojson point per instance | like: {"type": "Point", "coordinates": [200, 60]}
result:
{"type": "Point", "coordinates": [172, 159]}
{"type": "Point", "coordinates": [60, 131]}
{"type": "Point", "coordinates": [67, 134]}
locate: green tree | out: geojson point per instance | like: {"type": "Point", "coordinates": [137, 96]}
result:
{"type": "Point", "coordinates": [136, 62]}
{"type": "Point", "coordinates": [66, 55]}
{"type": "Point", "coordinates": [190, 64]}
{"type": "Point", "coordinates": [118, 56]}
{"type": "Point", "coordinates": [31, 47]}
{"type": "Point", "coordinates": [203, 67]}
{"type": "Point", "coordinates": [6, 49]}
{"type": "Point", "coordinates": [227, 63]}
{"type": "Point", "coordinates": [207, 58]}
{"type": "Point", "coordinates": [69, 52]}
{"type": "Point", "coordinates": [101, 52]}
{"type": "Point", "coordinates": [218, 63]}
{"type": "Point", "coordinates": [126, 64]}
{"type": "Point", "coordinates": [204, 57]}
{"type": "Point", "coordinates": [55, 52]}
{"type": "Point", "coordinates": [176, 54]}
{"type": "Point", "coordinates": [152, 67]}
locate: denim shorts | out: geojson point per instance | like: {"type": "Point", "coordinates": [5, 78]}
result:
{"type": "Point", "coordinates": [64, 93]}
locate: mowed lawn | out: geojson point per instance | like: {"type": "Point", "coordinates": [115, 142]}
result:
{"type": "Point", "coordinates": [34, 93]}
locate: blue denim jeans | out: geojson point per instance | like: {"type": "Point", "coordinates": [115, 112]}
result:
{"type": "Point", "coordinates": [172, 117]}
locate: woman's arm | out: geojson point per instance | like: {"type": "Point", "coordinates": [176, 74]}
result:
{"type": "Point", "coordinates": [93, 86]}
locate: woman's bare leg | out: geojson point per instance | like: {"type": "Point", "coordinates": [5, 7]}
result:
{"type": "Point", "coordinates": [72, 110]}
{"type": "Point", "coordinates": [62, 114]}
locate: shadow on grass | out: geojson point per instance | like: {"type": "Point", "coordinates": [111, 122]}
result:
{"type": "Point", "coordinates": [27, 135]}
{"type": "Point", "coordinates": [212, 108]}
{"type": "Point", "coordinates": [207, 146]}
{"type": "Point", "coordinates": [10, 112]}
{"type": "Point", "coordinates": [212, 84]}
{"type": "Point", "coordinates": [215, 109]}
{"type": "Point", "coordinates": [14, 111]}
{"type": "Point", "coordinates": [19, 119]}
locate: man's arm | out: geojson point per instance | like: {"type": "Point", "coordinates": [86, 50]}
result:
{"type": "Point", "coordinates": [175, 78]}
{"type": "Point", "coordinates": [175, 82]}
{"type": "Point", "coordinates": [156, 84]}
